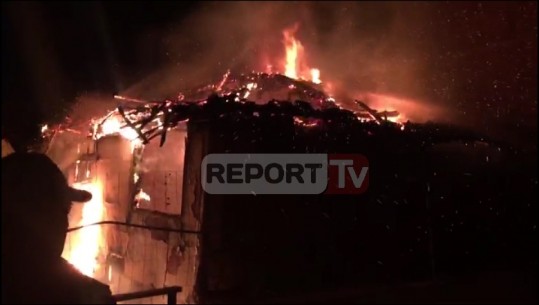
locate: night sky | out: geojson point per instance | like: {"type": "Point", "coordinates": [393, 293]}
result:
{"type": "Point", "coordinates": [477, 59]}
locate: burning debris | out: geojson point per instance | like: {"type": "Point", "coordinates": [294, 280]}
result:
{"type": "Point", "coordinates": [262, 87]}
{"type": "Point", "coordinates": [296, 91]}
{"type": "Point", "coordinates": [143, 123]}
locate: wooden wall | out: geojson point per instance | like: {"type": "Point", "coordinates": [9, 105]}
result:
{"type": "Point", "coordinates": [140, 258]}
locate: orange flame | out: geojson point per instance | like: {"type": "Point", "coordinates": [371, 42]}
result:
{"type": "Point", "coordinates": [86, 245]}
{"type": "Point", "coordinates": [293, 50]}
{"type": "Point", "coordinates": [142, 196]}
{"type": "Point", "coordinates": [295, 64]}
{"type": "Point", "coordinates": [112, 124]}
{"type": "Point", "coordinates": [315, 76]}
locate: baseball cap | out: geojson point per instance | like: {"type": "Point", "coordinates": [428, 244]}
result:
{"type": "Point", "coordinates": [29, 176]}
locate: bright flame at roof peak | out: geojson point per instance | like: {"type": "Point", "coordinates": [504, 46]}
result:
{"type": "Point", "coordinates": [315, 76]}
{"type": "Point", "coordinates": [293, 51]}
{"type": "Point", "coordinates": [295, 63]}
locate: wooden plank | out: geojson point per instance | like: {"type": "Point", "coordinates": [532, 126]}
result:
{"type": "Point", "coordinates": [172, 204]}
{"type": "Point", "coordinates": [161, 249]}
{"type": "Point", "coordinates": [163, 187]}
{"type": "Point", "coordinates": [163, 177]}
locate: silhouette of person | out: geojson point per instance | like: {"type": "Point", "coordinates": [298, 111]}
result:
{"type": "Point", "coordinates": [36, 200]}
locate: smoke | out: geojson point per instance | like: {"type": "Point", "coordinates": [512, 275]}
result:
{"type": "Point", "coordinates": [440, 61]}
{"type": "Point", "coordinates": [90, 106]}
{"type": "Point", "coordinates": [359, 47]}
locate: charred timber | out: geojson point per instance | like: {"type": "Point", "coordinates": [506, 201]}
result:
{"type": "Point", "coordinates": [217, 107]}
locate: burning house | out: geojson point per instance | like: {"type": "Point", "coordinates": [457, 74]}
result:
{"type": "Point", "coordinates": [150, 225]}
{"type": "Point", "coordinates": [143, 227]}
{"type": "Point", "coordinates": [131, 187]}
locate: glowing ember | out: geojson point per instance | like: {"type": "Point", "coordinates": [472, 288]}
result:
{"type": "Point", "coordinates": [225, 77]}
{"type": "Point", "coordinates": [395, 119]}
{"type": "Point", "coordinates": [388, 105]}
{"type": "Point", "coordinates": [249, 86]}
{"type": "Point", "coordinates": [304, 122]}
{"type": "Point", "coordinates": [85, 248]}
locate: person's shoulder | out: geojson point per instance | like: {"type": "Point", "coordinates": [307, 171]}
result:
{"type": "Point", "coordinates": [90, 291]}
{"type": "Point", "coordinates": [95, 292]}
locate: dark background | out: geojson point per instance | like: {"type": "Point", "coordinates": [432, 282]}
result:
{"type": "Point", "coordinates": [476, 59]}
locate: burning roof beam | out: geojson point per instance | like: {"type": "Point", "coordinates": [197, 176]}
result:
{"type": "Point", "coordinates": [172, 113]}
{"type": "Point", "coordinates": [377, 116]}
